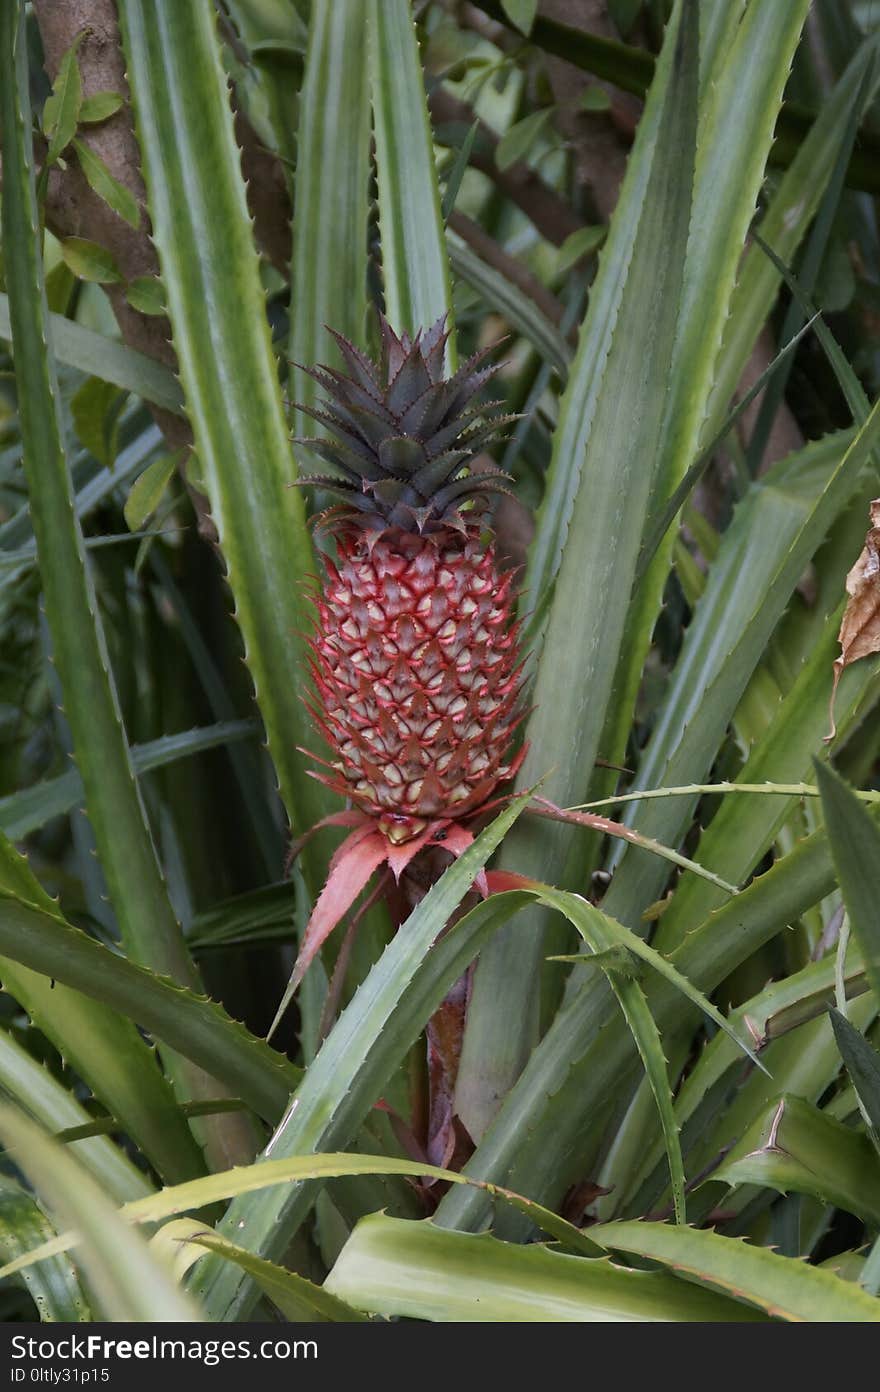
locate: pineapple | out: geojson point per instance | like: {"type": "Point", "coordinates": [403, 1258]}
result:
{"type": "Point", "coordinates": [415, 657]}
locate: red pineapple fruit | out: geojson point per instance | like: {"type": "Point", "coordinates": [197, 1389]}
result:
{"type": "Point", "coordinates": [416, 663]}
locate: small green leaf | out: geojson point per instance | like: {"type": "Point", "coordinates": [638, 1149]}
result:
{"type": "Point", "coordinates": [583, 242]}
{"type": "Point", "coordinates": [521, 13]}
{"type": "Point", "coordinates": [595, 99]}
{"type": "Point", "coordinates": [61, 112]}
{"type": "Point", "coordinates": [147, 491]}
{"type": "Point", "coordinates": [624, 14]}
{"type": "Point", "coordinates": [147, 295]}
{"type": "Point", "coordinates": [114, 194]}
{"type": "Point", "coordinates": [99, 107]}
{"type": "Point", "coordinates": [518, 141]}
{"type": "Point", "coordinates": [88, 261]}
{"type": "Point", "coordinates": [95, 409]}
{"type": "Point", "coordinates": [456, 172]}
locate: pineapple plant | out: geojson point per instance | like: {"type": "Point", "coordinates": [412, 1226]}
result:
{"type": "Point", "coordinates": [415, 656]}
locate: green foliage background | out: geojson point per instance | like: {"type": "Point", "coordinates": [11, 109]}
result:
{"type": "Point", "coordinates": [670, 1042]}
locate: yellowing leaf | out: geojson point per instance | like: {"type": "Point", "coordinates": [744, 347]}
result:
{"type": "Point", "coordinates": [860, 630]}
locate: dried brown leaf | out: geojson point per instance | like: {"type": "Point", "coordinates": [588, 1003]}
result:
{"type": "Point", "coordinates": [860, 629]}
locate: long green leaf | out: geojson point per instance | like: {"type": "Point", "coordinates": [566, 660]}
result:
{"type": "Point", "coordinates": [743, 829]}
{"type": "Point", "coordinates": [414, 264]}
{"type": "Point", "coordinates": [297, 1298]}
{"type": "Point", "coordinates": [788, 216]}
{"type": "Point", "coordinates": [683, 746]}
{"type": "Point", "coordinates": [329, 270]}
{"type": "Point", "coordinates": [127, 1282]}
{"type": "Point", "coordinates": [418, 1271]}
{"type": "Point", "coordinates": [502, 297]}
{"type": "Point", "coordinates": [216, 305]}
{"type": "Point", "coordinates": [146, 918]}
{"type": "Point", "coordinates": [738, 109]}
{"type": "Point", "coordinates": [110, 1056]}
{"type": "Point", "coordinates": [787, 1289]}
{"type": "Point", "coordinates": [613, 436]}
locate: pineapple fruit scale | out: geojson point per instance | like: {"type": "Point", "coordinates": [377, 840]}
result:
{"type": "Point", "coordinates": [415, 657]}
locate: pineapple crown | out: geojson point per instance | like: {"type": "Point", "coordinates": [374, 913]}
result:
{"type": "Point", "coordinates": [401, 435]}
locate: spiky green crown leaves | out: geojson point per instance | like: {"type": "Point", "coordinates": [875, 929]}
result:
{"type": "Point", "coordinates": [402, 434]}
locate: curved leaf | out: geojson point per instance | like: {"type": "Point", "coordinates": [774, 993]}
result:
{"type": "Point", "coordinates": [787, 1289]}
{"type": "Point", "coordinates": [194, 1025]}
